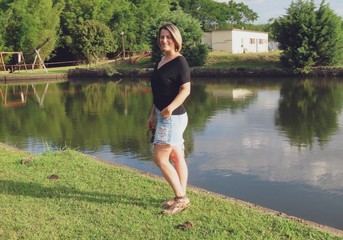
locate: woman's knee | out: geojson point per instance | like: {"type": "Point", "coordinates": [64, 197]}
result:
{"type": "Point", "coordinates": [157, 161]}
{"type": "Point", "coordinates": [172, 156]}
{"type": "Point", "coordinates": [161, 155]}
{"type": "Point", "coordinates": [177, 155]}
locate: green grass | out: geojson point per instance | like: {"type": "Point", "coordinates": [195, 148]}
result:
{"type": "Point", "coordinates": [218, 60]}
{"type": "Point", "coordinates": [28, 72]}
{"type": "Point", "coordinates": [270, 60]}
{"type": "Point", "coordinates": [94, 200]}
{"type": "Point", "coordinates": [215, 60]}
{"type": "Point", "coordinates": [247, 60]}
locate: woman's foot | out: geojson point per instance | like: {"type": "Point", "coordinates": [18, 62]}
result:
{"type": "Point", "coordinates": [168, 203]}
{"type": "Point", "coordinates": [180, 204]}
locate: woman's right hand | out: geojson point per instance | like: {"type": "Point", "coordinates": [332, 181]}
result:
{"type": "Point", "coordinates": [151, 124]}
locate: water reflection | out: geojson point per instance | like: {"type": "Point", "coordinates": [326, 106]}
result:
{"type": "Point", "coordinates": [16, 95]}
{"type": "Point", "coordinates": [309, 111]}
{"type": "Point", "coordinates": [283, 136]}
{"type": "Point", "coordinates": [245, 141]}
{"type": "Point", "coordinates": [13, 96]}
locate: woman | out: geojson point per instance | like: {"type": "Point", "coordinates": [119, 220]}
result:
{"type": "Point", "coordinates": [170, 83]}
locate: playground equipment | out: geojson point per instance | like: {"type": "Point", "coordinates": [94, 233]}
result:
{"type": "Point", "coordinates": [36, 51]}
{"type": "Point", "coordinates": [21, 61]}
{"type": "Point", "coordinates": [134, 60]}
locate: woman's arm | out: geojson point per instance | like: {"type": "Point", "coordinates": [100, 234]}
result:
{"type": "Point", "coordinates": [151, 124]}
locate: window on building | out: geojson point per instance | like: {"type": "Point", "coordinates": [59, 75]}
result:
{"type": "Point", "coordinates": [262, 41]}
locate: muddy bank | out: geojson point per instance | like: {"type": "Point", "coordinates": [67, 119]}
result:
{"type": "Point", "coordinates": [327, 72]}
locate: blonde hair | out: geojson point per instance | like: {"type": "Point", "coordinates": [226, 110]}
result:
{"type": "Point", "coordinates": [174, 31]}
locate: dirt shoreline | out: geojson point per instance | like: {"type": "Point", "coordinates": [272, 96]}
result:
{"type": "Point", "coordinates": [331, 230]}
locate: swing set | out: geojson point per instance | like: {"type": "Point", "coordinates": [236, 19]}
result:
{"type": "Point", "coordinates": [21, 60]}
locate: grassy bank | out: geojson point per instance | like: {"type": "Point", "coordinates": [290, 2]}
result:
{"type": "Point", "coordinates": [247, 60]}
{"type": "Point", "coordinates": [217, 60]}
{"type": "Point", "coordinates": [218, 64]}
{"type": "Point", "coordinates": [67, 195]}
{"type": "Point", "coordinates": [28, 72]}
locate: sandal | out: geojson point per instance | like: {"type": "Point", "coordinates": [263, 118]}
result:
{"type": "Point", "coordinates": [168, 203]}
{"type": "Point", "coordinates": [180, 204]}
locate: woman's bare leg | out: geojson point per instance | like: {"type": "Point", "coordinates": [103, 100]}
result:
{"type": "Point", "coordinates": [161, 158]}
{"type": "Point", "coordinates": [178, 157]}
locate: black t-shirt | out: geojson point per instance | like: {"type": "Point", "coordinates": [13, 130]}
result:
{"type": "Point", "coordinates": [166, 82]}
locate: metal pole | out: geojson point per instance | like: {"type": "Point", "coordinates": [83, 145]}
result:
{"type": "Point", "coordinates": [122, 39]}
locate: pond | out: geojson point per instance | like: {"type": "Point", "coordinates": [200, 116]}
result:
{"type": "Point", "coordinates": [272, 142]}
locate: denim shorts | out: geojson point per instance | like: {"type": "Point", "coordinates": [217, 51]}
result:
{"type": "Point", "coordinates": [170, 131]}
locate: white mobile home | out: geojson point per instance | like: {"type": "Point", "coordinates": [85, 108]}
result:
{"type": "Point", "coordinates": [236, 41]}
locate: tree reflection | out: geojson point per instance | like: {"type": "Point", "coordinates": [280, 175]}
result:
{"type": "Point", "coordinates": [112, 113]}
{"type": "Point", "coordinates": [208, 98]}
{"type": "Point", "coordinates": [308, 111]}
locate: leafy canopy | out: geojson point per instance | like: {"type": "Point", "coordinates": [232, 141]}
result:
{"type": "Point", "coordinates": [213, 15]}
{"type": "Point", "coordinates": [94, 40]}
{"type": "Point", "coordinates": [191, 33]}
{"type": "Point", "coordinates": [26, 24]}
{"type": "Point", "coordinates": [309, 37]}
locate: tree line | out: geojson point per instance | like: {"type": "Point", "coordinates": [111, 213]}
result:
{"type": "Point", "coordinates": [309, 36]}
{"type": "Point", "coordinates": [93, 30]}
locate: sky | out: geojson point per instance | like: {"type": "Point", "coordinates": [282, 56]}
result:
{"type": "Point", "coordinates": [267, 9]}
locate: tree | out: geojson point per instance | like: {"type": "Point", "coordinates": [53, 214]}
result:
{"type": "Point", "coordinates": [2, 42]}
{"type": "Point", "coordinates": [296, 34]}
{"type": "Point", "coordinates": [3, 19]}
{"type": "Point", "coordinates": [75, 13]}
{"type": "Point", "coordinates": [191, 37]}
{"type": "Point", "coordinates": [94, 40]}
{"type": "Point", "coordinates": [29, 23]}
{"type": "Point", "coordinates": [308, 37]}
{"type": "Point", "coordinates": [213, 15]}
{"type": "Point", "coordinates": [135, 20]}
{"type": "Point", "coordinates": [329, 41]}
{"type": "Point", "coordinates": [240, 13]}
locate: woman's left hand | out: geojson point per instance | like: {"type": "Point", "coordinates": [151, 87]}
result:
{"type": "Point", "coordinates": [166, 113]}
